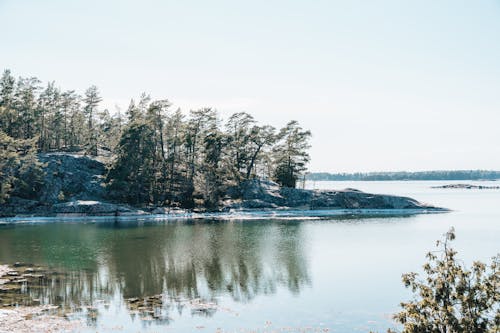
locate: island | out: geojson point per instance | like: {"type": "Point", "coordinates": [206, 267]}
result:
{"type": "Point", "coordinates": [467, 187]}
{"type": "Point", "coordinates": [82, 179]}
{"type": "Point", "coordinates": [62, 155]}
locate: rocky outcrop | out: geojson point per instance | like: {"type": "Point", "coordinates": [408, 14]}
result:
{"type": "Point", "coordinates": [73, 183]}
{"type": "Point", "coordinates": [74, 186]}
{"type": "Point", "coordinates": [468, 187]}
{"type": "Point", "coordinates": [267, 194]}
{"type": "Point", "coordinates": [70, 177]}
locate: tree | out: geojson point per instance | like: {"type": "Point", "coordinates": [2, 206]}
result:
{"type": "Point", "coordinates": [49, 118]}
{"type": "Point", "coordinates": [452, 298]}
{"type": "Point", "coordinates": [245, 142]}
{"type": "Point", "coordinates": [109, 130]}
{"type": "Point", "coordinates": [290, 153]}
{"type": "Point", "coordinates": [199, 124]}
{"type": "Point", "coordinates": [212, 176]}
{"type": "Point", "coordinates": [156, 116]}
{"type": "Point", "coordinates": [7, 114]}
{"type": "Point", "coordinates": [176, 163]}
{"type": "Point", "coordinates": [21, 173]}
{"type": "Point", "coordinates": [131, 176]}
{"type": "Point", "coordinates": [159, 157]}
{"type": "Point", "coordinates": [239, 128]}
{"type": "Point", "coordinates": [92, 100]}
{"type": "Point", "coordinates": [24, 126]}
{"type": "Point", "coordinates": [260, 138]}
{"type": "Point", "coordinates": [72, 118]}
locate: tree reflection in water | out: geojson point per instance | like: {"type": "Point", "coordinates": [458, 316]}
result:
{"type": "Point", "coordinates": [183, 262]}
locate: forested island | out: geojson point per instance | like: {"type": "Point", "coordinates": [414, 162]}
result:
{"type": "Point", "coordinates": [62, 154]}
{"type": "Point", "coordinates": [406, 175]}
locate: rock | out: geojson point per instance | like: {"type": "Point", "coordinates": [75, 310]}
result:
{"type": "Point", "coordinates": [91, 207]}
{"type": "Point", "coordinates": [71, 177]}
{"type": "Point", "coordinates": [16, 206]}
{"type": "Point", "coordinates": [68, 178]}
{"type": "Point", "coordinates": [20, 264]}
{"type": "Point", "coordinates": [259, 194]}
{"type": "Point", "coordinates": [263, 190]}
{"type": "Point", "coordinates": [468, 187]}
{"type": "Point", "coordinates": [74, 185]}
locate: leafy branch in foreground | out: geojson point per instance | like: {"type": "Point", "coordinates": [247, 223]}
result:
{"type": "Point", "coordinates": [452, 298]}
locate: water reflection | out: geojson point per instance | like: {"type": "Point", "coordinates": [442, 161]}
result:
{"type": "Point", "coordinates": [153, 266]}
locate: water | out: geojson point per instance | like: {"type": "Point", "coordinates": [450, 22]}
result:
{"type": "Point", "coordinates": [341, 275]}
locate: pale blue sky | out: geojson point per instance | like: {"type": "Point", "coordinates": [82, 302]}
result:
{"type": "Point", "coordinates": [383, 85]}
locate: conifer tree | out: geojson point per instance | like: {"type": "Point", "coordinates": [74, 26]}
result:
{"type": "Point", "coordinates": [92, 100]}
{"type": "Point", "coordinates": [291, 156]}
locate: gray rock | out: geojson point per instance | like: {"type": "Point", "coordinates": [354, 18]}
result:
{"type": "Point", "coordinates": [71, 177]}
{"type": "Point", "coordinates": [74, 185]}
{"type": "Point", "coordinates": [90, 207]}
{"type": "Point", "coordinates": [468, 187]}
{"type": "Point", "coordinates": [267, 194]}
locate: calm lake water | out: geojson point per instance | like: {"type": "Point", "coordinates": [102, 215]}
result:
{"type": "Point", "coordinates": [341, 274]}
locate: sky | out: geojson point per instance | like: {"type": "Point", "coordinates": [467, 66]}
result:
{"type": "Point", "coordinates": [382, 85]}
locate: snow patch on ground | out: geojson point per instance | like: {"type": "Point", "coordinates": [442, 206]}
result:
{"type": "Point", "coordinates": [34, 319]}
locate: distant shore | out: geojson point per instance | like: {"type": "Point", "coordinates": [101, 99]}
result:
{"type": "Point", "coordinates": [449, 175]}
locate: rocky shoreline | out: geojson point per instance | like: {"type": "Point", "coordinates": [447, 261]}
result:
{"type": "Point", "coordinates": [74, 187]}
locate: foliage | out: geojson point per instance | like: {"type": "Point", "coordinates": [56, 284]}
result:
{"type": "Point", "coordinates": [291, 154]}
{"type": "Point", "coordinates": [159, 156]}
{"type": "Point", "coordinates": [132, 175]}
{"type": "Point", "coordinates": [452, 298]}
{"type": "Point", "coordinates": [21, 173]}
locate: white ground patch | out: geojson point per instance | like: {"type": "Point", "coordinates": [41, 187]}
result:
{"type": "Point", "coordinates": [34, 319]}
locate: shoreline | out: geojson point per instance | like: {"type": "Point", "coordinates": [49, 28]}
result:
{"type": "Point", "coordinates": [242, 215]}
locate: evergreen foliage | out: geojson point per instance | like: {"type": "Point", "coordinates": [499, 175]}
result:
{"type": "Point", "coordinates": [160, 156]}
{"type": "Point", "coordinates": [452, 298]}
{"type": "Point", "coordinates": [291, 154]}
{"type": "Point", "coordinates": [21, 173]}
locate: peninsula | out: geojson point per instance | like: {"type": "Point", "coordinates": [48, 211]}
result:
{"type": "Point", "coordinates": [62, 155]}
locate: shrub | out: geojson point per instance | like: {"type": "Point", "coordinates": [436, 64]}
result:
{"type": "Point", "coordinates": [452, 298]}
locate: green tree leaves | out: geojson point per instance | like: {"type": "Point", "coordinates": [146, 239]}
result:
{"type": "Point", "coordinates": [291, 156]}
{"type": "Point", "coordinates": [159, 156]}
{"type": "Point", "coordinates": [21, 173]}
{"type": "Point", "coordinates": [452, 298]}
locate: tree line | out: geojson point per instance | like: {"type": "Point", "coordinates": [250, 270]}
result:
{"type": "Point", "coordinates": [161, 155]}
{"type": "Point", "coordinates": [407, 175]}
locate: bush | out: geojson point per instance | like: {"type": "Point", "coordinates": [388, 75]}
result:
{"type": "Point", "coordinates": [452, 298]}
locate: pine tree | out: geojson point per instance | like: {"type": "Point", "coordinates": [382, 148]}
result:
{"type": "Point", "coordinates": [290, 154]}
{"type": "Point", "coordinates": [21, 173]}
{"type": "Point", "coordinates": [7, 112]}
{"type": "Point", "coordinates": [92, 100]}
{"type": "Point", "coordinates": [131, 177]}
{"type": "Point", "coordinates": [25, 124]}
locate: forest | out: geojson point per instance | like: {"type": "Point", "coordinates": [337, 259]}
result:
{"type": "Point", "coordinates": [156, 154]}
{"type": "Point", "coordinates": [407, 175]}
